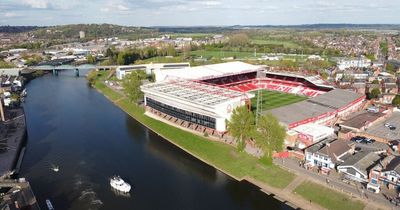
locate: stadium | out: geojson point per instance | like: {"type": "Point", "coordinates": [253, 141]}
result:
{"type": "Point", "coordinates": [202, 98]}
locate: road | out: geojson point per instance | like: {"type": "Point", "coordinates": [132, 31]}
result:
{"type": "Point", "coordinates": [373, 201]}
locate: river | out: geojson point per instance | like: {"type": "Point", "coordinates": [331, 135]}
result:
{"type": "Point", "coordinates": [72, 126]}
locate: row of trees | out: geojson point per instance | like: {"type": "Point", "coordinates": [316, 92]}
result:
{"type": "Point", "coordinates": [267, 133]}
{"type": "Point", "coordinates": [129, 56]}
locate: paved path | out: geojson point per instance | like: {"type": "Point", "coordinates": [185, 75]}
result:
{"type": "Point", "coordinates": [296, 182]}
{"type": "Point", "coordinates": [372, 200]}
{"type": "Point", "coordinates": [295, 201]}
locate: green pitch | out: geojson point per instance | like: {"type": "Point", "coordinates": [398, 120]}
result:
{"type": "Point", "coordinates": [274, 99]}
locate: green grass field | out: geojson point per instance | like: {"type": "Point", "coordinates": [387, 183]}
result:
{"type": "Point", "coordinates": [326, 197]}
{"type": "Point", "coordinates": [221, 54]}
{"type": "Point", "coordinates": [274, 99]}
{"type": "Point", "coordinates": [287, 44]}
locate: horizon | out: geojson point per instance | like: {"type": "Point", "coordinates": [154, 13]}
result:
{"type": "Point", "coordinates": [151, 13]}
{"type": "Point", "coordinates": [189, 26]}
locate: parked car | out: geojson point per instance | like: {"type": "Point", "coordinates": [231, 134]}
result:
{"type": "Point", "coordinates": [390, 126]}
{"type": "Point", "coordinates": [373, 109]}
{"type": "Point", "coordinates": [362, 139]}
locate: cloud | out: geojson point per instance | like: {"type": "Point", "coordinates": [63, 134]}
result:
{"type": "Point", "coordinates": [210, 3]}
{"type": "Point", "coordinates": [11, 15]}
{"type": "Point", "coordinates": [36, 4]}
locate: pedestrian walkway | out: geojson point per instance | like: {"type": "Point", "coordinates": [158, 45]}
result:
{"type": "Point", "coordinates": [374, 201]}
{"type": "Point", "coordinates": [296, 182]}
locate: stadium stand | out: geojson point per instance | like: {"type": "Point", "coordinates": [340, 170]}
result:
{"type": "Point", "coordinates": [294, 84]}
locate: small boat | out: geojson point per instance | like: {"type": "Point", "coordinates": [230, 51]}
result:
{"type": "Point", "coordinates": [49, 205]}
{"type": "Point", "coordinates": [55, 168]}
{"type": "Point", "coordinates": [24, 93]}
{"type": "Point", "coordinates": [119, 184]}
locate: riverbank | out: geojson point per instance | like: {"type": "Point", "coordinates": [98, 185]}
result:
{"type": "Point", "coordinates": [13, 137]}
{"type": "Point", "coordinates": [240, 166]}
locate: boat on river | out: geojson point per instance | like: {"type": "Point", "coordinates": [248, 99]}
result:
{"type": "Point", "coordinates": [49, 205]}
{"type": "Point", "coordinates": [119, 184]}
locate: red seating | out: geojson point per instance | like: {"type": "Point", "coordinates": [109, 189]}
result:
{"type": "Point", "coordinates": [248, 82]}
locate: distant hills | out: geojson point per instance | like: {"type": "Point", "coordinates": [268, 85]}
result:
{"type": "Point", "coordinates": [108, 30]}
{"type": "Point", "coordinates": [17, 29]}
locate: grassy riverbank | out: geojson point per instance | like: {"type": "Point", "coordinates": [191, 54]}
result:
{"type": "Point", "coordinates": [326, 197]}
{"type": "Point", "coordinates": [239, 165]}
{"type": "Point", "coordinates": [222, 156]}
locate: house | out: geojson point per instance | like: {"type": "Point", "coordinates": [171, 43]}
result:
{"type": "Point", "coordinates": [357, 167]}
{"type": "Point", "coordinates": [375, 180]}
{"type": "Point", "coordinates": [326, 155]}
{"type": "Point", "coordinates": [390, 176]}
{"type": "Point", "coordinates": [362, 121]}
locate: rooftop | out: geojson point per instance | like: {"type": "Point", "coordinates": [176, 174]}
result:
{"type": "Point", "coordinates": [335, 149]}
{"type": "Point", "coordinates": [362, 160]}
{"type": "Point", "coordinates": [328, 102]}
{"type": "Point", "coordinates": [336, 98]}
{"type": "Point", "coordinates": [210, 71]}
{"type": "Point", "coordinates": [394, 165]}
{"type": "Point", "coordinates": [190, 91]}
{"type": "Point", "coordinates": [362, 119]}
{"type": "Point", "coordinates": [379, 130]}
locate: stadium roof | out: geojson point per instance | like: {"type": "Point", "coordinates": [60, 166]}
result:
{"type": "Point", "coordinates": [208, 71]}
{"type": "Point", "coordinates": [319, 105]}
{"type": "Point", "coordinates": [193, 92]}
{"type": "Point", "coordinates": [336, 98]}
{"type": "Point", "coordinates": [299, 111]}
{"type": "Point", "coordinates": [315, 79]}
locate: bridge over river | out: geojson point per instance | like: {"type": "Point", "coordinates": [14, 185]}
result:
{"type": "Point", "coordinates": [56, 69]}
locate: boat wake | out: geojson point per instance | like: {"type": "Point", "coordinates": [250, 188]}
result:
{"type": "Point", "coordinates": [87, 195]}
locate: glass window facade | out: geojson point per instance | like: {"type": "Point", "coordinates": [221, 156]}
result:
{"type": "Point", "coordinates": [181, 114]}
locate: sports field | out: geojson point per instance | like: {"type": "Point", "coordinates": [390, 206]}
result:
{"type": "Point", "coordinates": [274, 99]}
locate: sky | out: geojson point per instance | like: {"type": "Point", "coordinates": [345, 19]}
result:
{"type": "Point", "coordinates": [198, 12]}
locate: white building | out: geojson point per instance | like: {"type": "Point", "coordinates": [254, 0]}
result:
{"type": "Point", "coordinates": [357, 167]}
{"type": "Point", "coordinates": [206, 71]}
{"type": "Point", "coordinates": [350, 63]}
{"type": "Point", "coordinates": [327, 155]}
{"type": "Point", "coordinates": [121, 71]}
{"type": "Point", "coordinates": [192, 103]}
{"type": "Point", "coordinates": [81, 34]}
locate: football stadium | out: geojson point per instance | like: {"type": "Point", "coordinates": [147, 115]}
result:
{"type": "Point", "coordinates": [202, 98]}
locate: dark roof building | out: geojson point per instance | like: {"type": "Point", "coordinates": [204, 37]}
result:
{"type": "Point", "coordinates": [359, 122]}
{"type": "Point", "coordinates": [357, 167]}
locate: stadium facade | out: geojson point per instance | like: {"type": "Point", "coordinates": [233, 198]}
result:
{"type": "Point", "coordinates": [202, 98]}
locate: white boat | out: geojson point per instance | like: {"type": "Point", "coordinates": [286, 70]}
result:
{"type": "Point", "coordinates": [119, 184]}
{"type": "Point", "coordinates": [49, 205]}
{"type": "Point", "coordinates": [54, 168]}
{"type": "Point", "coordinates": [24, 93]}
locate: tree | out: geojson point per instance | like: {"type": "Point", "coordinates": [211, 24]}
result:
{"type": "Point", "coordinates": [91, 77]}
{"type": "Point", "coordinates": [374, 93]}
{"type": "Point", "coordinates": [375, 82]}
{"type": "Point", "coordinates": [270, 135]}
{"type": "Point", "coordinates": [239, 40]}
{"type": "Point", "coordinates": [131, 84]}
{"type": "Point", "coordinates": [91, 59]}
{"type": "Point", "coordinates": [396, 101]}
{"type": "Point", "coordinates": [241, 125]}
